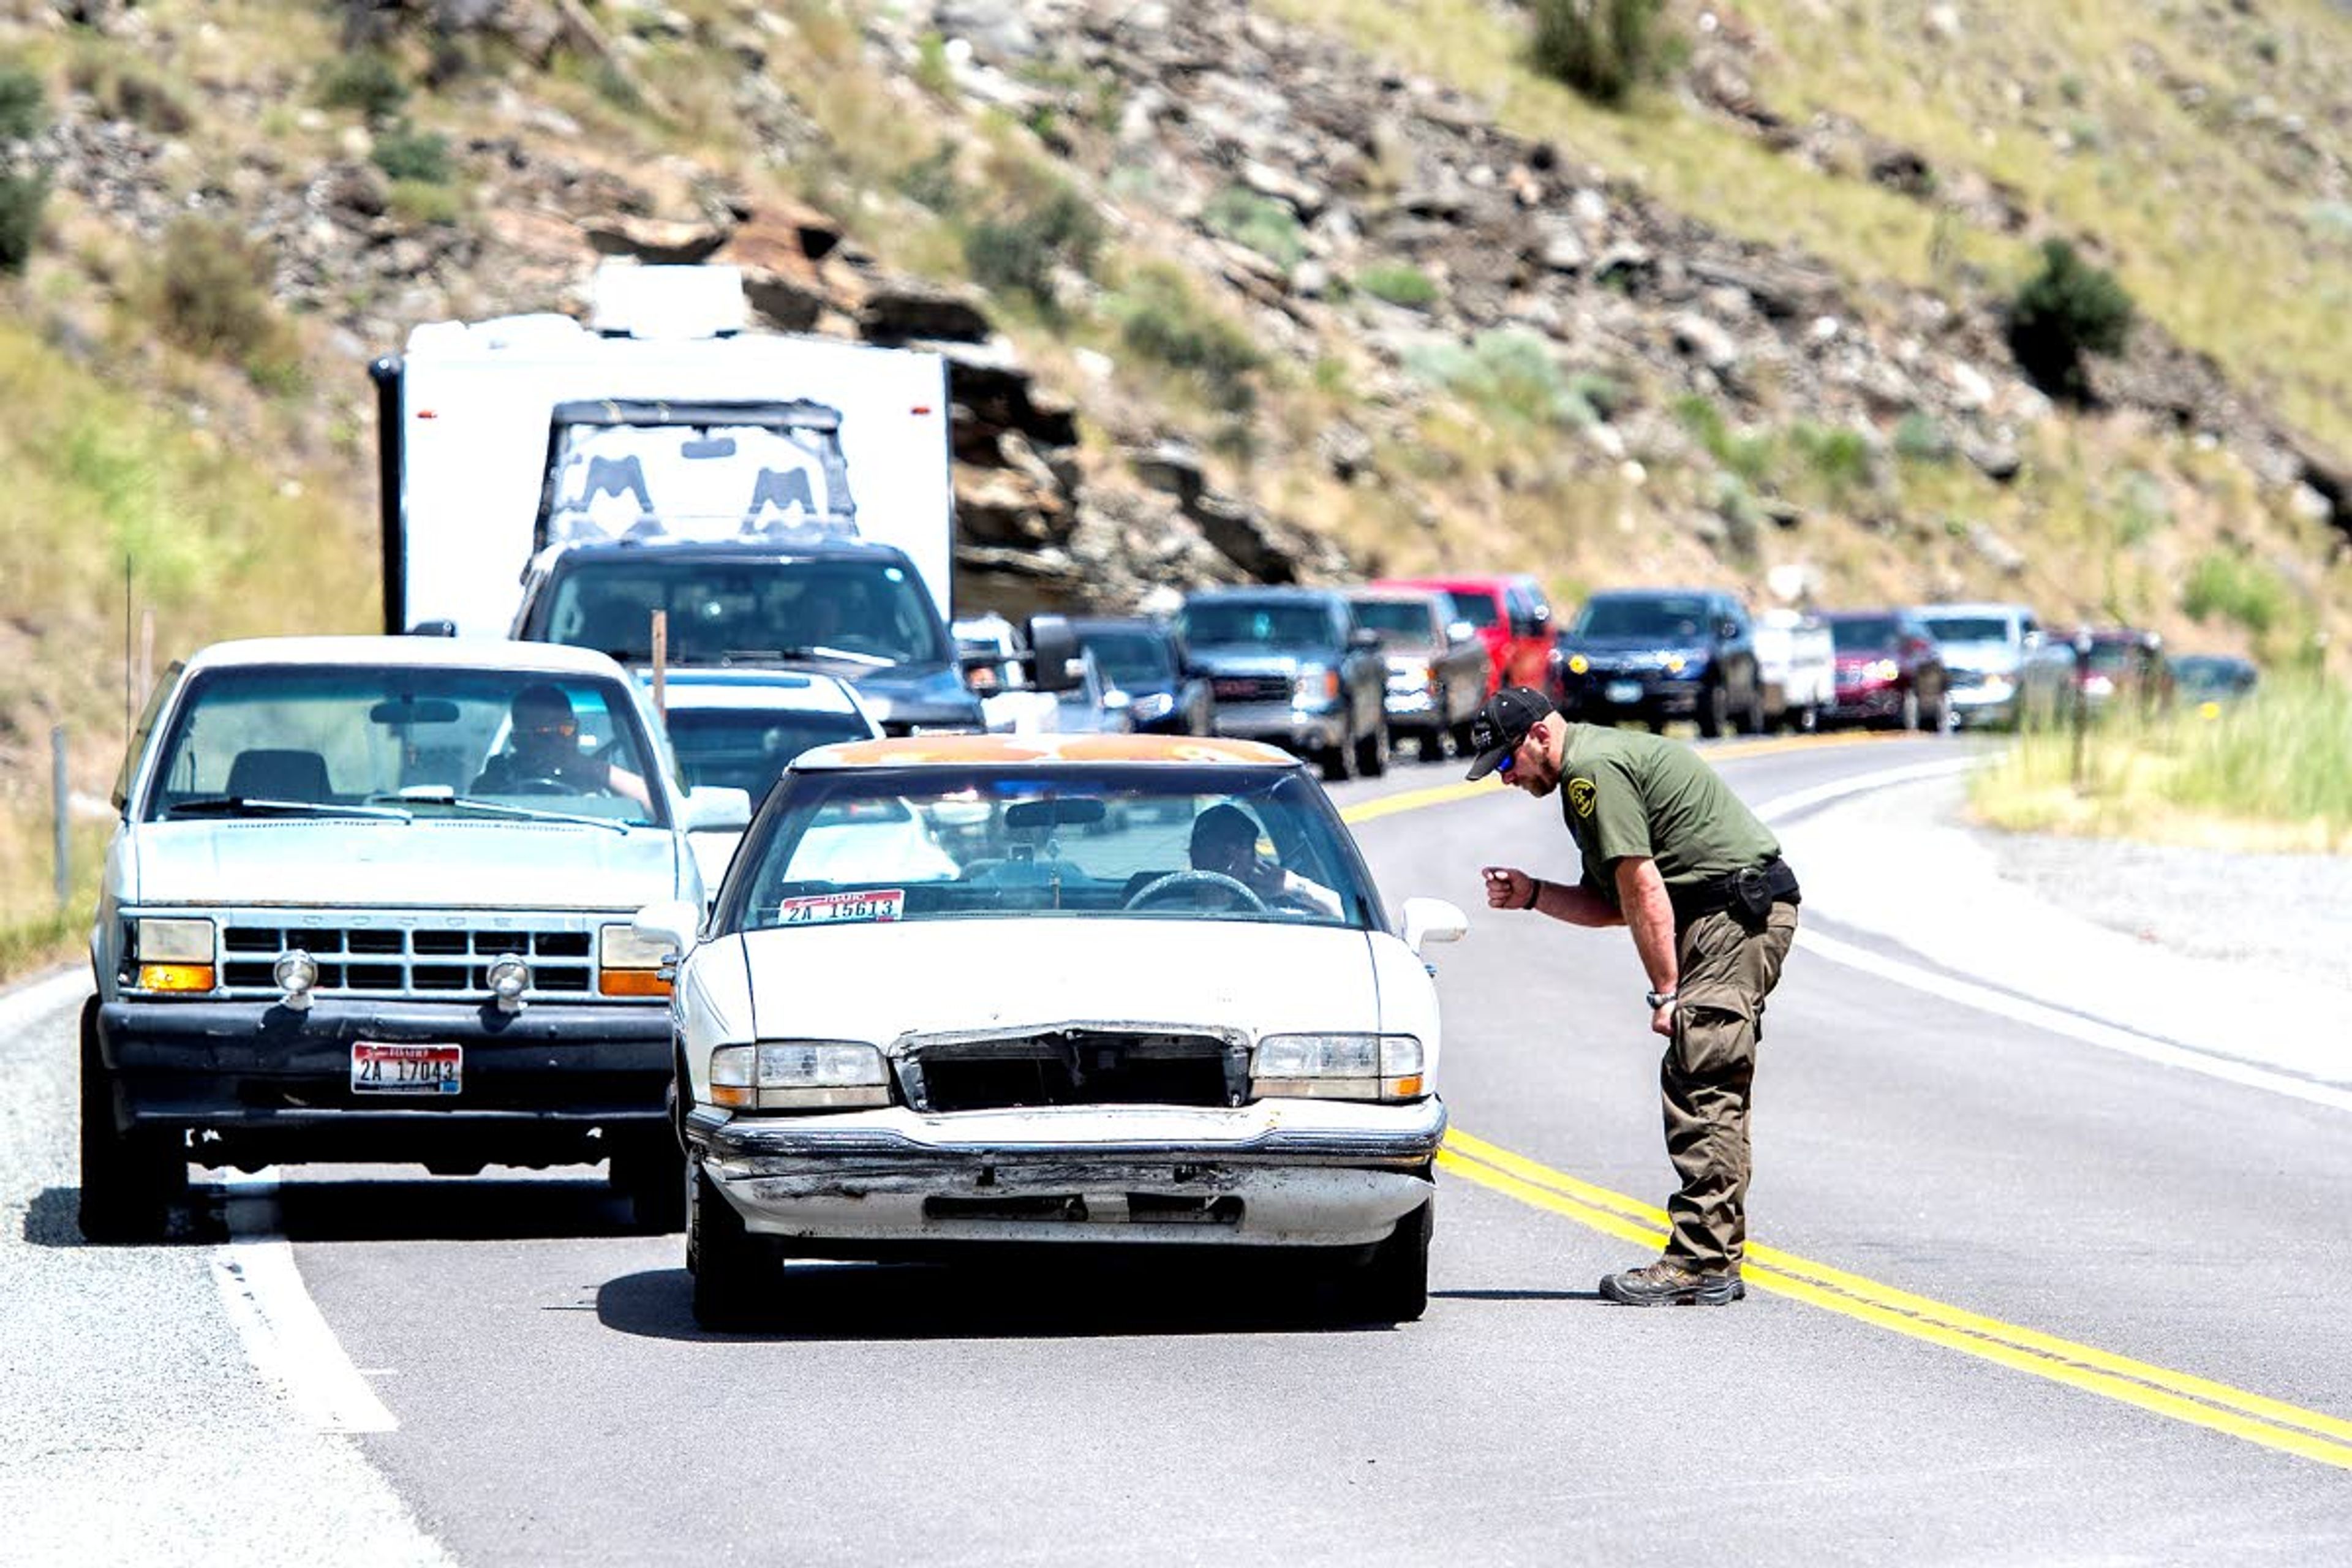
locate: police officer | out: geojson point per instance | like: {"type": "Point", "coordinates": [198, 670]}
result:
{"type": "Point", "coordinates": [1669, 851]}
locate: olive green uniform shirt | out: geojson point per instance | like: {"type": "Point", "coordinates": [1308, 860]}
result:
{"type": "Point", "coordinates": [1624, 792]}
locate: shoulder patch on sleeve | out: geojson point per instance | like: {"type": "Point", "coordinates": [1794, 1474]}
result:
{"type": "Point", "coordinates": [1581, 796]}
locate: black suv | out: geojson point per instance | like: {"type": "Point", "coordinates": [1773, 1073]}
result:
{"type": "Point", "coordinates": [858, 611]}
{"type": "Point", "coordinates": [1291, 666]}
{"type": "Point", "coordinates": [1655, 655]}
{"type": "Point", "coordinates": [1144, 659]}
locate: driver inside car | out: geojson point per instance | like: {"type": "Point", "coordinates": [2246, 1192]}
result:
{"type": "Point", "coordinates": [544, 754]}
{"type": "Point", "coordinates": [1225, 841]}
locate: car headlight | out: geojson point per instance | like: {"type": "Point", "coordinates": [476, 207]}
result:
{"type": "Point", "coordinates": [173, 955]}
{"type": "Point", "coordinates": [1997, 687]}
{"type": "Point", "coordinates": [1152, 705]}
{"type": "Point", "coordinates": [628, 964]}
{"type": "Point", "coordinates": [1314, 685]}
{"type": "Point", "coordinates": [1338, 1067]}
{"type": "Point", "coordinates": [1883, 670]}
{"type": "Point", "coordinates": [800, 1075]}
{"type": "Point", "coordinates": [1677, 664]}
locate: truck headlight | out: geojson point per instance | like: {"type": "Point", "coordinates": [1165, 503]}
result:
{"type": "Point", "coordinates": [1315, 687]}
{"type": "Point", "coordinates": [629, 965]}
{"type": "Point", "coordinates": [1882, 669]}
{"type": "Point", "coordinates": [173, 955]}
{"type": "Point", "coordinates": [1677, 664]}
{"type": "Point", "coordinates": [1338, 1067]}
{"type": "Point", "coordinates": [800, 1075]}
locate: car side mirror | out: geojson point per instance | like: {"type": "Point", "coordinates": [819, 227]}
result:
{"type": "Point", "coordinates": [1425, 921]}
{"type": "Point", "coordinates": [715, 809]}
{"type": "Point", "coordinates": [673, 925]}
{"type": "Point", "coordinates": [1054, 655]}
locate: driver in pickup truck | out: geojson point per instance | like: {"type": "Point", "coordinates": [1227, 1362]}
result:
{"type": "Point", "coordinates": [543, 750]}
{"type": "Point", "coordinates": [1224, 840]}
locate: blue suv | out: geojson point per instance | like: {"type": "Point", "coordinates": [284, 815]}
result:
{"type": "Point", "coordinates": [1655, 655]}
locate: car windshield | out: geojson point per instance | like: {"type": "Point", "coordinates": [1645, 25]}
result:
{"type": "Point", "coordinates": [1107, 841]}
{"type": "Point", "coordinates": [2205, 673]}
{"type": "Point", "coordinates": [1677, 618]}
{"type": "Point", "coordinates": [1226, 622]}
{"type": "Point", "coordinates": [1864, 634]}
{"type": "Point", "coordinates": [863, 613]}
{"type": "Point", "coordinates": [1398, 623]}
{"type": "Point", "coordinates": [748, 749]}
{"type": "Point", "coordinates": [1969, 628]}
{"type": "Point", "coordinates": [1478, 609]}
{"type": "Point", "coordinates": [1131, 657]}
{"type": "Point", "coordinates": [387, 740]}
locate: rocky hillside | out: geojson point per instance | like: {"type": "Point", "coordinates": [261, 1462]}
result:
{"type": "Point", "coordinates": [1279, 291]}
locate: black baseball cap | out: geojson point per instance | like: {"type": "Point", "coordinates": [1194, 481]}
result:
{"type": "Point", "coordinates": [1497, 729]}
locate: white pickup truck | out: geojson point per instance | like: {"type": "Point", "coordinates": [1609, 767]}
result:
{"type": "Point", "coordinates": [1795, 669]}
{"type": "Point", "coordinates": [370, 901]}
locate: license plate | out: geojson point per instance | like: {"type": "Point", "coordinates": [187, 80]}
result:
{"type": "Point", "coordinates": [1623, 691]}
{"type": "Point", "coordinates": [380, 1068]}
{"type": "Point", "coordinates": [881, 904]}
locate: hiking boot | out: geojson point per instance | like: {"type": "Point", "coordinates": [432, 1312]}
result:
{"type": "Point", "coordinates": [1664, 1284]}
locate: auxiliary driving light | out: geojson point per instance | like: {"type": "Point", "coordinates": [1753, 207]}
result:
{"type": "Point", "coordinates": [295, 972]}
{"type": "Point", "coordinates": [509, 977]}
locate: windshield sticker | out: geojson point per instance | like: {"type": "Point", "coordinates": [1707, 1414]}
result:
{"type": "Point", "coordinates": [878, 904]}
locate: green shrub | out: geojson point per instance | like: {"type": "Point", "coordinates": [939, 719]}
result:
{"type": "Point", "coordinates": [126, 89]}
{"type": "Point", "coordinates": [1019, 249]}
{"type": "Point", "coordinates": [23, 105]}
{"type": "Point", "coordinates": [404, 153]}
{"type": "Point", "coordinates": [1600, 49]}
{"type": "Point", "coordinates": [21, 199]}
{"type": "Point", "coordinates": [1510, 376]}
{"type": "Point", "coordinates": [1919, 438]}
{"type": "Point", "coordinates": [1599, 398]}
{"type": "Point", "coordinates": [932, 72]}
{"type": "Point", "coordinates": [1748, 456]}
{"type": "Point", "coordinates": [1398, 283]}
{"type": "Point", "coordinates": [209, 291]}
{"type": "Point", "coordinates": [1839, 458]}
{"type": "Point", "coordinates": [1161, 318]}
{"type": "Point", "coordinates": [366, 81]}
{"type": "Point", "coordinates": [1260, 223]}
{"type": "Point", "coordinates": [931, 181]}
{"type": "Point", "coordinates": [2067, 309]}
{"type": "Point", "coordinates": [418, 202]}
{"type": "Point", "coordinates": [2235, 588]}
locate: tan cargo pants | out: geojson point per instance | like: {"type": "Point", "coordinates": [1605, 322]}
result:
{"type": "Point", "coordinates": [1727, 971]}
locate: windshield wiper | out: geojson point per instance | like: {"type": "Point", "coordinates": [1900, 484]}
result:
{"type": "Point", "coordinates": [805, 651]}
{"type": "Point", "coordinates": [435, 794]}
{"type": "Point", "coordinates": [238, 804]}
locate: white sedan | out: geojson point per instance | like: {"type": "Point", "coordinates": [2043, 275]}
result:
{"type": "Point", "coordinates": [1161, 1003]}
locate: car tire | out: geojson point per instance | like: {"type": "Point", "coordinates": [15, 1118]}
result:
{"type": "Point", "coordinates": [1372, 752]}
{"type": "Point", "coordinates": [649, 1169]}
{"type": "Point", "coordinates": [1714, 710]}
{"type": "Point", "coordinates": [127, 1179]}
{"type": "Point", "coordinates": [735, 1272]}
{"type": "Point", "coordinates": [1393, 1286]}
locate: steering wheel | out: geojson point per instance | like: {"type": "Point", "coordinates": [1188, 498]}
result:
{"type": "Point", "coordinates": [1183, 880]}
{"type": "Point", "coordinates": [537, 783]}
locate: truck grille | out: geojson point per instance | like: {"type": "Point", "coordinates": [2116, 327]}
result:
{"type": "Point", "coordinates": [411, 962]}
{"type": "Point", "coordinates": [1252, 688]}
{"type": "Point", "coordinates": [1074, 1067]}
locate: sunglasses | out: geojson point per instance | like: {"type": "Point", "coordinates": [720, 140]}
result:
{"type": "Point", "coordinates": [566, 727]}
{"type": "Point", "coordinates": [1510, 760]}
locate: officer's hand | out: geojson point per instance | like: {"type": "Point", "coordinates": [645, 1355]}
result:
{"type": "Point", "coordinates": [1508, 888]}
{"type": "Point", "coordinates": [1662, 1022]}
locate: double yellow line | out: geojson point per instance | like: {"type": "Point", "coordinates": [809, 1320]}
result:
{"type": "Point", "coordinates": [2200, 1402]}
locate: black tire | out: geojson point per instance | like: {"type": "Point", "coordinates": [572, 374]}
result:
{"type": "Point", "coordinates": [127, 1179]}
{"type": "Point", "coordinates": [1393, 1286]}
{"type": "Point", "coordinates": [736, 1274]}
{"type": "Point", "coordinates": [1372, 752]}
{"type": "Point", "coordinates": [649, 1169]}
{"type": "Point", "coordinates": [1714, 710]}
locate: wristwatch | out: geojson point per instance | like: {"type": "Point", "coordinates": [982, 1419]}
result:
{"type": "Point", "coordinates": [1657, 999]}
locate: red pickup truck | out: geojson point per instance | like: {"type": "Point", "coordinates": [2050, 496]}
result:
{"type": "Point", "coordinates": [1513, 619]}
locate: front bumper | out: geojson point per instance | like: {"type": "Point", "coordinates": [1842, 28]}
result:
{"type": "Point", "coordinates": [1864, 703]}
{"type": "Point", "coordinates": [537, 1081]}
{"type": "Point", "coordinates": [1305, 730]}
{"type": "Point", "coordinates": [1283, 1173]}
{"type": "Point", "coordinates": [1630, 694]}
{"type": "Point", "coordinates": [1975, 705]}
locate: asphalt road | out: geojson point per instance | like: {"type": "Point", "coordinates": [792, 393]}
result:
{"type": "Point", "coordinates": [1998, 1258]}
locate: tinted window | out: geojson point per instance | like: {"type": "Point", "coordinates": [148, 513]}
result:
{"type": "Point", "coordinates": [1678, 616]}
{"type": "Point", "coordinates": [745, 748]}
{"type": "Point", "coordinates": [1131, 657]}
{"type": "Point", "coordinates": [1865, 634]}
{"type": "Point", "coordinates": [1478, 609]}
{"type": "Point", "coordinates": [1400, 623]}
{"type": "Point", "coordinates": [1969, 628]}
{"type": "Point", "coordinates": [869, 613]}
{"type": "Point", "coordinates": [1207, 622]}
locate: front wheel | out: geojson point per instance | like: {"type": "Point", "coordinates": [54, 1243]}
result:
{"type": "Point", "coordinates": [127, 1178]}
{"type": "Point", "coordinates": [735, 1272]}
{"type": "Point", "coordinates": [1393, 1286]}
{"type": "Point", "coordinates": [650, 1171]}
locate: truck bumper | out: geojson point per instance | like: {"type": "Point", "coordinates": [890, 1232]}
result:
{"type": "Point", "coordinates": [533, 1083]}
{"type": "Point", "coordinates": [1303, 730]}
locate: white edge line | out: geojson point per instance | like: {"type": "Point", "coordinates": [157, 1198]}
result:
{"type": "Point", "coordinates": [286, 1336]}
{"type": "Point", "coordinates": [2018, 1009]}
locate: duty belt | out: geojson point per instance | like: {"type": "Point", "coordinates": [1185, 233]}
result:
{"type": "Point", "coordinates": [1755, 889]}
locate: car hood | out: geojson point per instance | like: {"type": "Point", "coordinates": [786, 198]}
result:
{"type": "Point", "coordinates": [1981, 657]}
{"type": "Point", "coordinates": [1255, 658]}
{"type": "Point", "coordinates": [1656, 650]}
{"type": "Point", "coordinates": [885, 981]}
{"type": "Point", "coordinates": [913, 693]}
{"type": "Point", "coordinates": [424, 863]}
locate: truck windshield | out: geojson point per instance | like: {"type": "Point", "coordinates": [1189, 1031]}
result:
{"type": "Point", "coordinates": [426, 743]}
{"type": "Point", "coordinates": [866, 614]}
{"type": "Point", "coordinates": [1666, 617]}
{"type": "Point", "coordinates": [1398, 623]}
{"type": "Point", "coordinates": [1274, 624]}
{"type": "Point", "coordinates": [1969, 628]}
{"type": "Point", "coordinates": [1097, 840]}
{"type": "Point", "coordinates": [1864, 634]}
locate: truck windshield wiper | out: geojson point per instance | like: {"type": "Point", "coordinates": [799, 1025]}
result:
{"type": "Point", "coordinates": [430, 795]}
{"type": "Point", "coordinates": [807, 651]}
{"type": "Point", "coordinates": [240, 804]}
